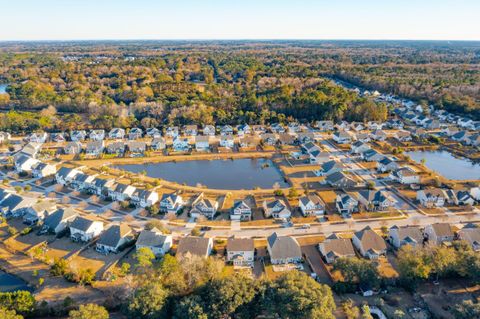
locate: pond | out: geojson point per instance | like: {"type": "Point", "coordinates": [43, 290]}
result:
{"type": "Point", "coordinates": [10, 283]}
{"type": "Point", "coordinates": [3, 88]}
{"type": "Point", "coordinates": [215, 174]}
{"type": "Point", "coordinates": [447, 165]}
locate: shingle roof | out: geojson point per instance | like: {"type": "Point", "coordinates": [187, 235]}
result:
{"type": "Point", "coordinates": [151, 238]}
{"type": "Point", "coordinates": [112, 236]}
{"type": "Point", "coordinates": [240, 244]}
{"type": "Point", "coordinates": [197, 246]}
{"type": "Point", "coordinates": [283, 247]}
{"type": "Point", "coordinates": [371, 240]}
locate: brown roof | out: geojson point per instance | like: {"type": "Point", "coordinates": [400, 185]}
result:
{"type": "Point", "coordinates": [442, 229]}
{"type": "Point", "coordinates": [370, 239]}
{"type": "Point", "coordinates": [339, 247]}
{"type": "Point", "coordinates": [240, 244]}
{"type": "Point", "coordinates": [193, 245]}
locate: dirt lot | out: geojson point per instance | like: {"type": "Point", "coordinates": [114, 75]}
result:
{"type": "Point", "coordinates": [90, 258]}
{"type": "Point", "coordinates": [62, 248]}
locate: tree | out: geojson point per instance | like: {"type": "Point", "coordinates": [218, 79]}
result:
{"type": "Point", "coordinates": [21, 301]}
{"type": "Point", "coordinates": [355, 270]}
{"type": "Point", "coordinates": [413, 266]}
{"type": "Point", "coordinates": [59, 267]}
{"type": "Point", "coordinates": [292, 192]}
{"type": "Point", "coordinates": [148, 300]}
{"type": "Point", "coordinates": [466, 310]}
{"type": "Point", "coordinates": [9, 314]}
{"type": "Point", "coordinates": [366, 312]}
{"type": "Point", "coordinates": [89, 311]}
{"type": "Point", "coordinates": [296, 295]}
{"type": "Point", "coordinates": [443, 260]}
{"type": "Point", "coordinates": [144, 257]}
{"type": "Point", "coordinates": [350, 310]}
{"type": "Point", "coordinates": [190, 307]}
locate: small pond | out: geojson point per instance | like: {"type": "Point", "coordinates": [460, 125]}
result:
{"type": "Point", "coordinates": [10, 283]}
{"type": "Point", "coordinates": [447, 165]}
{"type": "Point", "coordinates": [215, 174]}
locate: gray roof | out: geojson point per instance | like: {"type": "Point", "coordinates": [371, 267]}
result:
{"type": "Point", "coordinates": [338, 247]}
{"type": "Point", "coordinates": [112, 236]}
{"type": "Point", "coordinates": [371, 240]}
{"type": "Point", "coordinates": [82, 223]}
{"type": "Point", "coordinates": [62, 214]}
{"type": "Point", "coordinates": [151, 238]}
{"type": "Point", "coordinates": [283, 247]}
{"type": "Point", "coordinates": [193, 245]}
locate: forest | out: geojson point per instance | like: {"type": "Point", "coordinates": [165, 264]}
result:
{"type": "Point", "coordinates": [152, 83]}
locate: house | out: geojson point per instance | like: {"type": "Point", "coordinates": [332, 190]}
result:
{"type": "Point", "coordinates": [171, 203]}
{"type": "Point", "coordinates": [311, 205]}
{"type": "Point", "coordinates": [241, 211]}
{"type": "Point", "coordinates": [202, 143]}
{"type": "Point", "coordinates": [463, 197]}
{"type": "Point", "coordinates": [403, 136]}
{"type": "Point", "coordinates": [202, 206]}
{"type": "Point", "coordinates": [30, 150]}
{"type": "Point", "coordinates": [293, 127]}
{"type": "Point", "coordinates": [369, 244]}
{"type": "Point", "coordinates": [181, 144]}
{"type": "Point", "coordinates": [209, 130]}
{"type": "Point", "coordinates": [41, 170]}
{"type": "Point", "coordinates": [276, 209]}
{"type": "Point", "coordinates": [39, 137]}
{"type": "Point", "coordinates": [405, 235]}
{"type": "Point", "coordinates": [378, 135]}
{"type": "Point", "coordinates": [58, 221]}
{"type": "Point", "coordinates": [243, 129]}
{"type": "Point", "coordinates": [286, 139]}
{"type": "Point", "coordinates": [65, 175]}
{"type": "Point", "coordinates": [433, 197]}
{"type": "Point", "coordinates": [375, 200]}
{"type": "Point", "coordinates": [241, 252]}
{"type": "Point", "coordinates": [100, 186]}
{"type": "Point", "coordinates": [94, 148]}
{"type": "Point", "coordinates": [57, 137]}
{"type": "Point", "coordinates": [144, 198]}
{"type": "Point", "coordinates": [78, 136]}
{"type": "Point", "coordinates": [373, 125]}
{"type": "Point", "coordinates": [340, 180]}
{"type": "Point", "coordinates": [97, 135]}
{"type": "Point", "coordinates": [226, 130]}
{"type": "Point", "coordinates": [116, 133]}
{"type": "Point", "coordinates": [359, 147]}
{"type": "Point", "coordinates": [25, 163]}
{"type": "Point", "coordinates": [15, 206]}
{"type": "Point", "coordinates": [269, 139]}
{"type": "Point", "coordinates": [153, 132]}
{"type": "Point", "coordinates": [461, 136]}
{"type": "Point", "coordinates": [172, 131]}
{"type": "Point", "coordinates": [324, 125]}
{"type": "Point", "coordinates": [405, 175]}
{"type": "Point", "coordinates": [362, 137]}
{"type": "Point", "coordinates": [342, 137]}
{"type": "Point", "coordinates": [117, 148]}
{"type": "Point", "coordinates": [439, 233]}
{"type": "Point", "coordinates": [357, 126]}
{"type": "Point", "coordinates": [158, 144]}
{"type": "Point", "coordinates": [84, 229]}
{"type": "Point", "coordinates": [73, 148]}
{"type": "Point", "coordinates": [372, 156]}
{"type": "Point", "coordinates": [248, 141]}
{"type": "Point", "coordinates": [136, 148]}
{"type": "Point", "coordinates": [82, 182]}
{"type": "Point", "coordinates": [135, 133]}
{"type": "Point", "coordinates": [194, 246]}
{"type": "Point", "coordinates": [334, 247]}
{"type": "Point", "coordinates": [190, 130]}
{"type": "Point", "coordinates": [259, 129]}
{"type": "Point", "coordinates": [470, 233]}
{"type": "Point", "coordinates": [346, 205]}
{"type": "Point", "coordinates": [328, 168]}
{"type": "Point", "coordinates": [387, 164]}
{"type": "Point", "coordinates": [283, 250]}
{"type": "Point", "coordinates": [226, 141]}
{"type": "Point", "coordinates": [38, 212]}
{"type": "Point", "coordinates": [114, 238]}
{"type": "Point", "coordinates": [121, 192]}
{"type": "Point", "coordinates": [277, 128]}
{"type": "Point", "coordinates": [317, 156]}
{"type": "Point", "coordinates": [154, 240]}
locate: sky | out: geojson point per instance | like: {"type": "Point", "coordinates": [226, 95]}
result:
{"type": "Point", "coordinates": [239, 19]}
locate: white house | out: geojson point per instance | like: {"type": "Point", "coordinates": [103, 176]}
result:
{"type": "Point", "coordinates": [276, 209]}
{"type": "Point", "coordinates": [144, 198]}
{"type": "Point", "coordinates": [405, 175]}
{"type": "Point", "coordinates": [65, 175]}
{"type": "Point", "coordinates": [202, 143]}
{"type": "Point", "coordinates": [121, 192]}
{"type": "Point", "coordinates": [84, 229]}
{"type": "Point", "coordinates": [241, 211]}
{"type": "Point", "coordinates": [204, 206]}
{"type": "Point", "coordinates": [114, 238]}
{"type": "Point", "coordinates": [117, 133]}
{"type": "Point", "coordinates": [154, 240]}
{"type": "Point", "coordinates": [241, 252]}
{"type": "Point", "coordinates": [470, 233]}
{"type": "Point", "coordinates": [283, 250]}
{"type": "Point", "coordinates": [439, 233]}
{"type": "Point", "coordinates": [171, 203]}
{"type": "Point", "coordinates": [25, 164]}
{"type": "Point", "coordinates": [181, 144]}
{"type": "Point", "coordinates": [342, 137]}
{"type": "Point", "coordinates": [311, 205]}
{"type": "Point", "coordinates": [346, 205]}
{"type": "Point", "coordinates": [43, 170]}
{"type": "Point", "coordinates": [226, 141]}
{"type": "Point", "coordinates": [58, 221]}
{"type": "Point", "coordinates": [434, 197]}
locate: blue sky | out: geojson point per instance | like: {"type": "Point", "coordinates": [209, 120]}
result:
{"type": "Point", "coordinates": [240, 19]}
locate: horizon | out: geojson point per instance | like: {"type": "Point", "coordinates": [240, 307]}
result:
{"type": "Point", "coordinates": [189, 20]}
